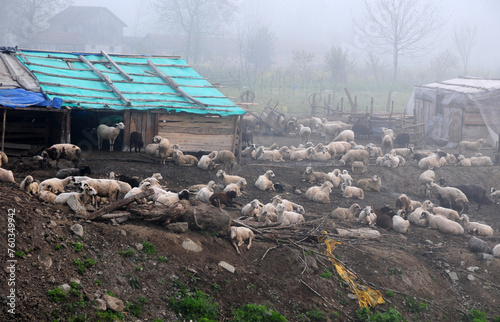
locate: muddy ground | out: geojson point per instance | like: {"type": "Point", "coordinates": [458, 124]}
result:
{"type": "Point", "coordinates": [282, 269]}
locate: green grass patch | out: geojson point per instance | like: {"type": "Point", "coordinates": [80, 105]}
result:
{"type": "Point", "coordinates": [194, 306]}
{"type": "Point", "coordinates": [77, 247]}
{"type": "Point", "coordinates": [109, 315]}
{"type": "Point", "coordinates": [255, 312]}
{"type": "Point", "coordinates": [316, 315]}
{"type": "Point", "coordinates": [327, 274]}
{"type": "Point", "coordinates": [57, 295]}
{"type": "Point", "coordinates": [148, 248]}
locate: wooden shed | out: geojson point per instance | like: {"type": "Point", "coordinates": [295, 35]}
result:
{"type": "Point", "coordinates": [458, 109]}
{"type": "Point", "coordinates": [153, 95]}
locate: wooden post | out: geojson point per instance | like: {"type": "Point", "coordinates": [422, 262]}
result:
{"type": "Point", "coordinates": [341, 104]}
{"type": "Point", "coordinates": [235, 133]}
{"type": "Point", "coordinates": [388, 101]}
{"type": "Point", "coordinates": [371, 106]}
{"type": "Point", "coordinates": [240, 125]}
{"type": "Point", "coordinates": [355, 108]}
{"type": "Point", "coordinates": [3, 127]}
{"type": "Point", "coordinates": [346, 90]}
{"type": "Point", "coordinates": [68, 126]}
{"type": "Point", "coordinates": [126, 131]}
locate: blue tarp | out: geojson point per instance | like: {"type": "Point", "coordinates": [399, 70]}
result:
{"type": "Point", "coordinates": [19, 97]}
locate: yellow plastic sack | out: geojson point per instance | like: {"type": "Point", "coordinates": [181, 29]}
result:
{"type": "Point", "coordinates": [367, 296]}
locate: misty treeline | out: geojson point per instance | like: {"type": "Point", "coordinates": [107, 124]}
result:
{"type": "Point", "coordinates": [228, 42]}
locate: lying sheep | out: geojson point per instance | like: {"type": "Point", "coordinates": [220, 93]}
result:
{"type": "Point", "coordinates": [346, 213]}
{"type": "Point", "coordinates": [446, 213]}
{"type": "Point", "coordinates": [323, 195]}
{"type": "Point", "coordinates": [403, 202]}
{"type": "Point", "coordinates": [29, 185]}
{"type": "Point", "coordinates": [252, 209]}
{"type": "Point", "coordinates": [87, 196]}
{"type": "Point", "coordinates": [384, 217]}
{"type": "Point", "coordinates": [66, 151]}
{"type": "Point", "coordinates": [264, 182]}
{"type": "Point", "coordinates": [352, 192]}
{"type": "Point", "coordinates": [4, 159]}
{"type": "Point", "coordinates": [338, 148]}
{"type": "Point", "coordinates": [269, 156]}
{"type": "Point", "coordinates": [475, 227]}
{"type": "Point", "coordinates": [315, 189]}
{"type": "Point", "coordinates": [345, 135]}
{"type": "Point", "coordinates": [224, 198]}
{"type": "Point", "coordinates": [249, 152]}
{"type": "Point", "coordinates": [105, 132]}
{"type": "Point", "coordinates": [481, 161]}
{"type": "Point", "coordinates": [227, 159]}
{"type": "Point", "coordinates": [494, 195]}
{"type": "Point", "coordinates": [170, 198]}
{"type": "Point", "coordinates": [477, 245]}
{"type": "Point", "coordinates": [225, 179]}
{"type": "Point", "coordinates": [292, 206]}
{"type": "Point", "coordinates": [452, 196]}
{"type": "Point", "coordinates": [320, 156]}
{"type": "Point", "coordinates": [432, 161]}
{"type": "Point", "coordinates": [184, 160]}
{"type": "Point", "coordinates": [367, 216]}
{"type": "Point", "coordinates": [372, 184]}
{"type": "Point", "coordinates": [496, 251]}
{"type": "Point", "coordinates": [55, 185]}
{"type": "Point", "coordinates": [442, 224]}
{"type": "Point", "coordinates": [47, 196]}
{"type": "Point", "coordinates": [310, 175]}
{"type": "Point", "coordinates": [301, 155]}
{"type": "Point", "coordinates": [415, 217]}
{"type": "Point", "coordinates": [400, 225]}
{"type": "Point", "coordinates": [285, 152]}
{"type": "Point", "coordinates": [237, 187]}
{"type": "Point", "coordinates": [104, 187]}
{"type": "Point", "coordinates": [134, 191]}
{"type": "Point", "coordinates": [206, 161]}
{"type": "Point", "coordinates": [6, 176]}
{"type": "Point", "coordinates": [288, 217]}
{"type": "Point", "coordinates": [470, 145]}
{"type": "Point", "coordinates": [204, 193]}
{"type": "Point", "coordinates": [238, 236]}
{"type": "Point", "coordinates": [404, 152]}
{"type": "Point", "coordinates": [82, 171]}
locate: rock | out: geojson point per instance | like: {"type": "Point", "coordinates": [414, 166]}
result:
{"type": "Point", "coordinates": [453, 276]}
{"type": "Point", "coordinates": [230, 268]}
{"type": "Point", "coordinates": [101, 305]}
{"type": "Point", "coordinates": [65, 287]}
{"type": "Point", "coordinates": [52, 224]}
{"type": "Point", "coordinates": [178, 227]}
{"type": "Point", "coordinates": [123, 232]}
{"type": "Point", "coordinates": [45, 260]}
{"type": "Point", "coordinates": [113, 303]}
{"type": "Point", "coordinates": [17, 199]}
{"type": "Point", "coordinates": [51, 279]}
{"type": "Point", "coordinates": [472, 268]}
{"type": "Point", "coordinates": [470, 277]}
{"type": "Point", "coordinates": [139, 246]}
{"type": "Point", "coordinates": [352, 296]}
{"type": "Point", "coordinates": [485, 257]}
{"type": "Point", "coordinates": [75, 280]}
{"type": "Point", "coordinates": [77, 229]}
{"type": "Point", "coordinates": [188, 244]}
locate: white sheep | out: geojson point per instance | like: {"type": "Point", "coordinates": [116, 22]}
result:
{"type": "Point", "coordinates": [87, 196]}
{"type": "Point", "coordinates": [426, 179]}
{"type": "Point", "coordinates": [264, 182]}
{"type": "Point", "coordinates": [338, 148]}
{"type": "Point", "coordinates": [271, 207]}
{"type": "Point", "coordinates": [237, 187]}
{"type": "Point", "coordinates": [292, 206]}
{"type": "Point", "coordinates": [323, 195]}
{"type": "Point", "coordinates": [345, 135]}
{"type": "Point", "coordinates": [105, 132]}
{"type": "Point", "coordinates": [478, 228]}
{"type": "Point", "coordinates": [346, 213]}
{"type": "Point", "coordinates": [204, 193]}
{"type": "Point", "coordinates": [367, 216]}
{"type": "Point", "coordinates": [442, 224]}
{"type": "Point", "coordinates": [108, 188]}
{"type": "Point", "coordinates": [66, 151]}
{"type": "Point", "coordinates": [389, 132]}
{"type": "Point", "coordinates": [288, 217]}
{"type": "Point", "coordinates": [249, 152]}
{"type": "Point", "coordinates": [405, 203]}
{"type": "Point", "coordinates": [270, 156]}
{"type": "Point", "coordinates": [329, 130]}
{"type": "Point", "coordinates": [481, 161]}
{"type": "Point", "coordinates": [400, 225]}
{"type": "Point", "coordinates": [432, 161]}
{"type": "Point", "coordinates": [386, 143]}
{"type": "Point", "coordinates": [320, 156]}
{"type": "Point", "coordinates": [346, 178]}
{"type": "Point", "coordinates": [225, 179]}
{"type": "Point", "coordinates": [47, 196]}
{"type": "Point", "coordinates": [152, 149]}
{"type": "Point", "coordinates": [496, 251]}
{"type": "Point", "coordinates": [29, 185]}
{"type": "Point", "coordinates": [285, 152]}
{"type": "Point", "coordinates": [358, 165]}
{"type": "Point", "coordinates": [238, 235]}
{"type": "Point", "coordinates": [252, 209]}
{"type": "Point", "coordinates": [55, 185]}
{"type": "Point", "coordinates": [375, 151]}
{"type": "Point", "coordinates": [372, 184]}
{"type": "Point", "coordinates": [206, 161]}
{"type": "Point", "coordinates": [6, 176]}
{"type": "Point", "coordinates": [355, 155]}
{"type": "Point", "coordinates": [335, 177]}
{"type": "Point", "coordinates": [310, 175]}
{"type": "Point", "coordinates": [352, 192]}
{"type": "Point", "coordinates": [4, 159]}
{"type": "Point", "coordinates": [313, 190]}
{"type": "Point", "coordinates": [227, 159]}
{"type": "Point", "coordinates": [495, 195]}
{"type": "Point", "coordinates": [470, 145]}
{"type": "Point", "coordinates": [453, 196]}
{"type": "Point", "coordinates": [302, 154]}
{"type": "Point", "coordinates": [446, 213]}
{"type": "Point", "coordinates": [134, 191]}
{"type": "Point", "coordinates": [182, 159]}
{"type": "Point", "coordinates": [304, 133]}
{"type": "Point", "coordinates": [169, 198]}
{"type": "Point", "coordinates": [404, 152]}
{"type": "Point", "coordinates": [415, 217]}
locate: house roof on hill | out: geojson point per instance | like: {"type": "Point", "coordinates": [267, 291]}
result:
{"type": "Point", "coordinates": [120, 82]}
{"type": "Point", "coordinates": [77, 13]}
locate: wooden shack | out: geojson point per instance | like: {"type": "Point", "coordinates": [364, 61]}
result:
{"type": "Point", "coordinates": [153, 95]}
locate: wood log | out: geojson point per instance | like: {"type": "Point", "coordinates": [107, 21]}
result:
{"type": "Point", "coordinates": [120, 203]}
{"type": "Point", "coordinates": [207, 218]}
{"type": "Point", "coordinates": [161, 213]}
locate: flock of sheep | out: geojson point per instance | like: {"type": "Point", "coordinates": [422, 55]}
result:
{"type": "Point", "coordinates": [224, 189]}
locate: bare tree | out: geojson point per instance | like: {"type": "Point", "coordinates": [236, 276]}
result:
{"type": "Point", "coordinates": [302, 63]}
{"type": "Point", "coordinates": [464, 39]}
{"type": "Point", "coordinates": [259, 49]}
{"type": "Point", "coordinates": [443, 64]}
{"type": "Point", "coordinates": [22, 19]}
{"type": "Point", "coordinates": [339, 63]}
{"type": "Point", "coordinates": [195, 18]}
{"type": "Point", "coordinates": [375, 65]}
{"type": "Point", "coordinates": [400, 27]}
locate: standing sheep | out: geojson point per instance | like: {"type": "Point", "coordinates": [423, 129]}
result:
{"type": "Point", "coordinates": [164, 149]}
{"type": "Point", "coordinates": [304, 133]}
{"type": "Point", "coordinates": [136, 141]}
{"type": "Point", "coordinates": [451, 196]}
{"type": "Point", "coordinates": [3, 158]}
{"type": "Point", "coordinates": [470, 145]}
{"type": "Point", "coordinates": [105, 132]}
{"type": "Point", "coordinates": [66, 151]}
{"type": "Point", "coordinates": [227, 159]}
{"type": "Point", "coordinates": [386, 144]}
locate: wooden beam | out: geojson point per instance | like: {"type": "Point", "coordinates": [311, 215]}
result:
{"type": "Point", "coordinates": [24, 56]}
{"type": "Point", "coordinates": [105, 79]}
{"type": "Point", "coordinates": [3, 127]}
{"type": "Point", "coordinates": [118, 68]}
{"type": "Point", "coordinates": [174, 85]}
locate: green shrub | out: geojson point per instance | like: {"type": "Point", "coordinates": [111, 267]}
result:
{"type": "Point", "coordinates": [19, 253]}
{"type": "Point", "coordinates": [194, 306]}
{"type": "Point", "coordinates": [476, 316]}
{"type": "Point", "coordinates": [148, 248]}
{"type": "Point", "coordinates": [162, 259]}
{"type": "Point", "coordinates": [391, 316]}
{"type": "Point", "coordinates": [57, 295]}
{"type": "Point", "coordinates": [78, 247]}
{"type": "Point", "coordinates": [326, 274]}
{"type": "Point", "coordinates": [414, 306]}
{"type": "Point", "coordinates": [127, 253]}
{"type": "Point", "coordinates": [316, 315]}
{"type": "Point", "coordinates": [389, 293]}
{"type": "Point", "coordinates": [109, 316]}
{"type": "Point", "coordinates": [257, 313]}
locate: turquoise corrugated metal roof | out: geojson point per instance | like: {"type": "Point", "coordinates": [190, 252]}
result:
{"type": "Point", "coordinates": [144, 82]}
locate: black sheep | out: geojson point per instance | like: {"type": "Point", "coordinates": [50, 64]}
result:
{"type": "Point", "coordinates": [384, 217]}
{"type": "Point", "coordinates": [224, 198]}
{"type": "Point", "coordinates": [132, 181]}
{"type": "Point", "coordinates": [402, 139]}
{"type": "Point", "coordinates": [68, 172]}
{"type": "Point", "coordinates": [475, 193]}
{"type": "Point", "coordinates": [361, 131]}
{"type": "Point", "coordinates": [136, 141]}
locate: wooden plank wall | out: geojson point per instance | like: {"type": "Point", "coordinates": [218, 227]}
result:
{"type": "Point", "coordinates": [196, 133]}
{"type": "Point", "coordinates": [143, 122]}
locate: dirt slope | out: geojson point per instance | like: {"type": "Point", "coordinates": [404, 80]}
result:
{"type": "Point", "coordinates": [282, 272]}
